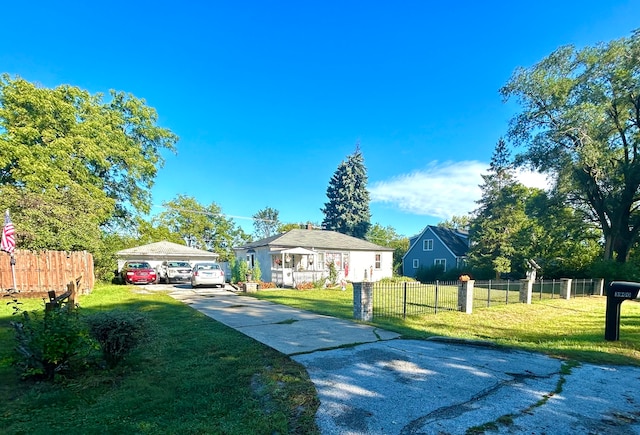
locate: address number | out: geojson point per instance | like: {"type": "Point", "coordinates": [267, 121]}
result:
{"type": "Point", "coordinates": [623, 294]}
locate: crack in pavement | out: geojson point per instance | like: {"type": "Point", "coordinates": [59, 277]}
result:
{"type": "Point", "coordinates": [458, 409]}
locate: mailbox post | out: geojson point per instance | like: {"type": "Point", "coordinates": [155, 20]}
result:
{"type": "Point", "coordinates": [619, 291]}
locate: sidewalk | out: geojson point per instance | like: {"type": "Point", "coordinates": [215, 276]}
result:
{"type": "Point", "coordinates": [369, 381]}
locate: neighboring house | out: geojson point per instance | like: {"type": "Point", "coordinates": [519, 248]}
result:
{"type": "Point", "coordinates": [297, 256]}
{"type": "Point", "coordinates": [436, 246]}
{"type": "Point", "coordinates": [156, 253]}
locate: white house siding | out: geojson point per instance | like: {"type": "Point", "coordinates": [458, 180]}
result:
{"type": "Point", "coordinates": [362, 261]}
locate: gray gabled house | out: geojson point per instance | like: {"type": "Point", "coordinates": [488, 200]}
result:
{"type": "Point", "coordinates": [298, 256]}
{"type": "Point", "coordinates": [436, 246]}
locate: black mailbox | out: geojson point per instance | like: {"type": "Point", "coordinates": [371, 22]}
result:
{"type": "Point", "coordinates": [618, 292]}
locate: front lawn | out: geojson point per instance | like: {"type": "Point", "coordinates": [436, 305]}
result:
{"type": "Point", "coordinates": [195, 376]}
{"type": "Point", "coordinates": [571, 329]}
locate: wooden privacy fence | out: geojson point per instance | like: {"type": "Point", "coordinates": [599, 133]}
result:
{"type": "Point", "coordinates": [37, 273]}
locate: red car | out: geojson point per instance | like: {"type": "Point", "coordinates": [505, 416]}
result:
{"type": "Point", "coordinates": [138, 272]}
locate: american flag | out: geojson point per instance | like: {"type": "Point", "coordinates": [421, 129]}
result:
{"type": "Point", "coordinates": [8, 242]}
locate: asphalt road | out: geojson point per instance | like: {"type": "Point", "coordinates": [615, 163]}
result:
{"type": "Point", "coordinates": [370, 381]}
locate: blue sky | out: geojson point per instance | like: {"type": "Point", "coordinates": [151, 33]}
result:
{"type": "Point", "coordinates": [269, 97]}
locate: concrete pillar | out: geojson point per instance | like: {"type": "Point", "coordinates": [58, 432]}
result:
{"type": "Point", "coordinates": [363, 301]}
{"type": "Point", "coordinates": [250, 287]}
{"type": "Point", "coordinates": [465, 296]}
{"type": "Point", "coordinates": [526, 289]}
{"type": "Point", "coordinates": [565, 288]}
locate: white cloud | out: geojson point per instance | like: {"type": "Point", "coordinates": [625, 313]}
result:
{"type": "Point", "coordinates": [442, 190]}
{"type": "Point", "coordinates": [533, 179]}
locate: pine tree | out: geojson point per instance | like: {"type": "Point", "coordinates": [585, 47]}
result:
{"type": "Point", "coordinates": [499, 218]}
{"type": "Point", "coordinates": [347, 210]}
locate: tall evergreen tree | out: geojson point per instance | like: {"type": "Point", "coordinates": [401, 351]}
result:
{"type": "Point", "coordinates": [500, 216]}
{"type": "Point", "coordinates": [347, 210]}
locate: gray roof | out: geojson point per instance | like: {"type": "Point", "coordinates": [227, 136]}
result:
{"type": "Point", "coordinates": [455, 240]}
{"type": "Point", "coordinates": [317, 239]}
{"type": "Point", "coordinates": [167, 249]}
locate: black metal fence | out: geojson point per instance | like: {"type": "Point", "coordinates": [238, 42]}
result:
{"type": "Point", "coordinates": [404, 299]}
{"type": "Point", "coordinates": [495, 292]}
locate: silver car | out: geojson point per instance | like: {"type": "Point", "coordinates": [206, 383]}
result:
{"type": "Point", "coordinates": [175, 271]}
{"type": "Point", "coordinates": [207, 274]}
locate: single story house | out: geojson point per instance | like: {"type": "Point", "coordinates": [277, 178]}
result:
{"type": "Point", "coordinates": [304, 255]}
{"type": "Point", "coordinates": [156, 253]}
{"type": "Point", "coordinates": [436, 246]}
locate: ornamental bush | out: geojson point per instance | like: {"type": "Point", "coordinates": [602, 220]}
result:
{"type": "Point", "coordinates": [118, 333]}
{"type": "Point", "coordinates": [51, 342]}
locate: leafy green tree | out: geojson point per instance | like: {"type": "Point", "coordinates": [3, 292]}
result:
{"type": "Point", "coordinates": [580, 122]}
{"type": "Point", "coordinates": [202, 227]}
{"type": "Point", "coordinates": [388, 237]}
{"type": "Point", "coordinates": [71, 162]}
{"type": "Point", "coordinates": [558, 237]}
{"type": "Point", "coordinates": [347, 210]}
{"type": "Point", "coordinates": [499, 218]}
{"type": "Point", "coordinates": [266, 223]}
{"type": "Point", "coordinates": [456, 223]}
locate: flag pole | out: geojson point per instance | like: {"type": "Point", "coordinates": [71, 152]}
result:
{"type": "Point", "coordinates": [8, 244]}
{"type": "Point", "coordinates": [13, 271]}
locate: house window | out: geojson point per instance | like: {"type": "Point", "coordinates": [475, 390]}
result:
{"type": "Point", "coordinates": [378, 260]}
{"type": "Point", "coordinates": [427, 245]}
{"type": "Point", "coordinates": [416, 263]}
{"type": "Point", "coordinates": [335, 258]}
{"type": "Point", "coordinates": [442, 262]}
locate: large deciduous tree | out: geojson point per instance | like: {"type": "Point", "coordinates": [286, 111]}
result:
{"type": "Point", "coordinates": [266, 222]}
{"type": "Point", "coordinates": [347, 210]}
{"type": "Point", "coordinates": [71, 162]}
{"type": "Point", "coordinates": [202, 227]}
{"type": "Point", "coordinates": [580, 122]}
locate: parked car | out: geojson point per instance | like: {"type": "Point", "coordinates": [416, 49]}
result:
{"type": "Point", "coordinates": [175, 271]}
{"type": "Point", "coordinates": [207, 274]}
{"type": "Point", "coordinates": [138, 272]}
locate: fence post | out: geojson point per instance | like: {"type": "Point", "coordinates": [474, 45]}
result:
{"type": "Point", "coordinates": [526, 289]}
{"type": "Point", "coordinates": [404, 300]}
{"type": "Point", "coordinates": [565, 288]}
{"type": "Point", "coordinates": [363, 301]}
{"type": "Point", "coordinates": [465, 296]}
{"type": "Point", "coordinates": [598, 287]}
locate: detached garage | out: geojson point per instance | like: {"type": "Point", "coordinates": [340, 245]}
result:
{"type": "Point", "coordinates": [156, 253]}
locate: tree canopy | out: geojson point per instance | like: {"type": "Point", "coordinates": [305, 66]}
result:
{"type": "Point", "coordinates": [70, 162]}
{"type": "Point", "coordinates": [347, 210]}
{"type": "Point", "coordinates": [266, 222]}
{"type": "Point", "coordinates": [580, 123]}
{"type": "Point", "coordinates": [202, 227]}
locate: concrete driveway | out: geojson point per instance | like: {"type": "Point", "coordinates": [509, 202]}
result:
{"type": "Point", "coordinates": [370, 381]}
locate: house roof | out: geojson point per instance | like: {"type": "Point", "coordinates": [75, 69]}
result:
{"type": "Point", "coordinates": [165, 249]}
{"type": "Point", "coordinates": [318, 239]}
{"type": "Point", "coordinates": [455, 240]}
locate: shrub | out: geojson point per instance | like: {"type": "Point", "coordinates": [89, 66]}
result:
{"type": "Point", "coordinates": [265, 285]}
{"type": "Point", "coordinates": [50, 342]}
{"type": "Point", "coordinates": [333, 274]}
{"type": "Point", "coordinates": [118, 333]}
{"type": "Point", "coordinates": [397, 279]}
{"type": "Point", "coordinates": [256, 271]}
{"type": "Point", "coordinates": [239, 271]}
{"type": "Point", "coordinates": [305, 286]}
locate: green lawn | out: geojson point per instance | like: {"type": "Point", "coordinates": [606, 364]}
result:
{"type": "Point", "coordinates": [196, 376]}
{"type": "Point", "coordinates": [572, 329]}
